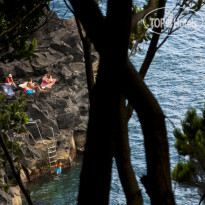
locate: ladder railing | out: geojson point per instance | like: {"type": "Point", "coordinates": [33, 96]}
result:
{"type": "Point", "coordinates": [37, 129]}
{"type": "Point", "coordinates": [52, 152]}
{"type": "Point", "coordinates": [51, 147]}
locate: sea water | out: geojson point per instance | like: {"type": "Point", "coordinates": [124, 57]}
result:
{"type": "Point", "coordinates": [177, 80]}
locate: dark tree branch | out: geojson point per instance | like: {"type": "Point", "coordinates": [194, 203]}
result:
{"type": "Point", "coordinates": [90, 16]}
{"type": "Point", "coordinates": [153, 44]}
{"type": "Point", "coordinates": [202, 198]}
{"type": "Point", "coordinates": [16, 175]}
{"type": "Point", "coordinates": [151, 51]}
{"type": "Point", "coordinates": [129, 109]}
{"type": "Point", "coordinates": [157, 181]}
{"type": "Point", "coordinates": [125, 169]}
{"type": "Point", "coordinates": [152, 48]}
{"type": "Point", "coordinates": [71, 10]}
{"type": "Point", "coordinates": [88, 61]}
{"type": "Point", "coordinates": [87, 55]}
{"type": "Point", "coordinates": [15, 33]}
{"type": "Point", "coordinates": [19, 23]}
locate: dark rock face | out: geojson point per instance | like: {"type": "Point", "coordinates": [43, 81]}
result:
{"type": "Point", "coordinates": [35, 128]}
{"type": "Point", "coordinates": [61, 53]}
{"type": "Point", "coordinates": [4, 198]}
{"type": "Point", "coordinates": [65, 106]}
{"type": "Point", "coordinates": [80, 139]}
{"type": "Point", "coordinates": [13, 195]}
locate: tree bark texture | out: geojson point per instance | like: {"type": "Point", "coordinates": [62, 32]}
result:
{"type": "Point", "coordinates": [123, 160]}
{"type": "Point", "coordinates": [158, 180]}
{"type": "Point", "coordinates": [119, 16]}
{"type": "Point", "coordinates": [116, 78]}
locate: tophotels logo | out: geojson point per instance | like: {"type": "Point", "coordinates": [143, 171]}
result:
{"type": "Point", "coordinates": [187, 23]}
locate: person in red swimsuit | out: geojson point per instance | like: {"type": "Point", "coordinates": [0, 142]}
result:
{"type": "Point", "coordinates": [9, 85]}
{"type": "Point", "coordinates": [9, 80]}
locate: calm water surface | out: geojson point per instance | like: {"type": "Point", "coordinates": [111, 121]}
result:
{"type": "Point", "coordinates": [56, 191]}
{"type": "Point", "coordinates": [177, 79]}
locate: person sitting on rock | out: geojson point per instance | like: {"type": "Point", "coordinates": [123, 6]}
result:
{"type": "Point", "coordinates": [58, 168]}
{"type": "Point", "coordinates": [9, 85]}
{"type": "Point", "coordinates": [31, 85]}
{"type": "Point", "coordinates": [47, 81]}
{"type": "Point", "coordinates": [9, 80]}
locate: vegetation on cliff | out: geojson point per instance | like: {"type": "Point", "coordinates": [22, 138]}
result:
{"type": "Point", "coordinates": [12, 121]}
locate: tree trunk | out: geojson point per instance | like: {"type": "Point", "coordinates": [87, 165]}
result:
{"type": "Point", "coordinates": [104, 114]}
{"type": "Point", "coordinates": [157, 181]}
{"type": "Point", "coordinates": [124, 166]}
{"type": "Point", "coordinates": [112, 76]}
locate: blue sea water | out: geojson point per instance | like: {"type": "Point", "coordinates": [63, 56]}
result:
{"type": "Point", "coordinates": [177, 80]}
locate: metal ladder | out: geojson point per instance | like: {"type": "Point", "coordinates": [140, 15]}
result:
{"type": "Point", "coordinates": [51, 148]}
{"type": "Point", "coordinates": [52, 156]}
{"type": "Point", "coordinates": [52, 152]}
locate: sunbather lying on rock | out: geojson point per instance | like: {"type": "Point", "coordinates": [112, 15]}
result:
{"type": "Point", "coordinates": [31, 85]}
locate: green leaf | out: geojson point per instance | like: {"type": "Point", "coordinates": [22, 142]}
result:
{"type": "Point", "coordinates": [34, 42]}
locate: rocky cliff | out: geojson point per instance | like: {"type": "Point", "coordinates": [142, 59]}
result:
{"type": "Point", "coordinates": [65, 106]}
